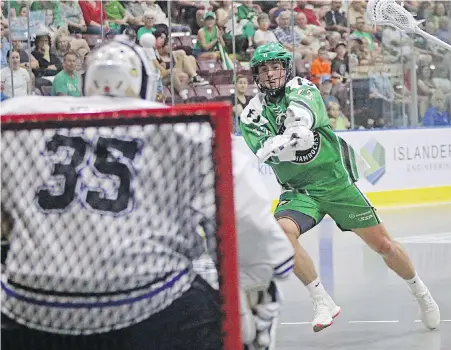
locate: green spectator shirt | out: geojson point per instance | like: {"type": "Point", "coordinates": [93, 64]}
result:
{"type": "Point", "coordinates": [144, 30]}
{"type": "Point", "coordinates": [65, 84]}
{"type": "Point", "coordinates": [114, 11]}
{"type": "Point", "coordinates": [365, 35]}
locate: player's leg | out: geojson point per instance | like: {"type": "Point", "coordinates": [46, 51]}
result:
{"type": "Point", "coordinates": [353, 212]}
{"type": "Point", "coordinates": [297, 213]}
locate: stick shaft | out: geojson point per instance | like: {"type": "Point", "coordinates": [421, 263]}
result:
{"type": "Point", "coordinates": [432, 38]}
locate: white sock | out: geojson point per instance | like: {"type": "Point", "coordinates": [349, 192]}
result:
{"type": "Point", "coordinates": [316, 288]}
{"type": "Point", "coordinates": [416, 284]}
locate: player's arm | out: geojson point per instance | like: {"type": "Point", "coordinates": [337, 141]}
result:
{"type": "Point", "coordinates": [254, 127]}
{"type": "Point", "coordinates": [259, 134]}
{"type": "Point", "coordinates": [305, 104]}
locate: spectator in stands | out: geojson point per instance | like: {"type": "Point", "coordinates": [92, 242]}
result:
{"type": "Point", "coordinates": [281, 6]}
{"type": "Point", "coordinates": [3, 97]}
{"type": "Point", "coordinates": [359, 53]}
{"type": "Point", "coordinates": [325, 88]}
{"type": "Point", "coordinates": [312, 37]}
{"type": "Point", "coordinates": [360, 32]}
{"type": "Point", "coordinates": [24, 57]}
{"type": "Point", "coordinates": [183, 63]}
{"type": "Point", "coordinates": [424, 10]}
{"type": "Point", "coordinates": [309, 14]}
{"type": "Point", "coordinates": [240, 93]}
{"type": "Point", "coordinates": [263, 35]}
{"type": "Point", "coordinates": [335, 19]}
{"type": "Point", "coordinates": [5, 45]}
{"type": "Point", "coordinates": [340, 64]}
{"type": "Point", "coordinates": [95, 16]}
{"type": "Point", "coordinates": [65, 44]}
{"type": "Point", "coordinates": [208, 39]}
{"type": "Point", "coordinates": [161, 17]}
{"type": "Point", "coordinates": [290, 38]}
{"type": "Point", "coordinates": [23, 11]}
{"type": "Point", "coordinates": [320, 66]}
{"type": "Point", "coordinates": [117, 16]}
{"type": "Point", "coordinates": [50, 23]}
{"type": "Point", "coordinates": [356, 9]}
{"type": "Point", "coordinates": [136, 9]}
{"type": "Point", "coordinates": [425, 84]}
{"type": "Point", "coordinates": [14, 76]}
{"type": "Point", "coordinates": [381, 91]}
{"type": "Point", "coordinates": [444, 29]}
{"type": "Point", "coordinates": [161, 41]}
{"type": "Point", "coordinates": [224, 15]}
{"type": "Point", "coordinates": [433, 20]}
{"type": "Point", "coordinates": [337, 120]}
{"type": "Point", "coordinates": [71, 15]}
{"type": "Point", "coordinates": [3, 11]}
{"type": "Point", "coordinates": [49, 64]}
{"type": "Point", "coordinates": [247, 18]}
{"type": "Point", "coordinates": [191, 12]}
{"type": "Point", "coordinates": [52, 5]}
{"type": "Point", "coordinates": [67, 82]}
{"type": "Point", "coordinates": [436, 115]}
{"type": "Point", "coordinates": [397, 43]}
{"type": "Point", "coordinates": [149, 21]}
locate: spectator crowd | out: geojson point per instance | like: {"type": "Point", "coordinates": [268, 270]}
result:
{"type": "Point", "coordinates": [363, 71]}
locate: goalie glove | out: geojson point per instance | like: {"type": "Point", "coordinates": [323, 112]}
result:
{"type": "Point", "coordinates": [264, 306]}
{"type": "Point", "coordinates": [280, 146]}
{"type": "Point", "coordinates": [296, 129]}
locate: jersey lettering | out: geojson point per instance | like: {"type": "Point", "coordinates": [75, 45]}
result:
{"type": "Point", "coordinates": [105, 165]}
{"type": "Point", "coordinates": [253, 117]}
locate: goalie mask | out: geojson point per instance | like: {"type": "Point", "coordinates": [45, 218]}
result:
{"type": "Point", "coordinates": [271, 68]}
{"type": "Point", "coordinates": [118, 69]}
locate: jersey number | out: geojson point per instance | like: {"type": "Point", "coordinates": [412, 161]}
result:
{"type": "Point", "coordinates": [103, 166]}
{"type": "Point", "coordinates": [253, 117]}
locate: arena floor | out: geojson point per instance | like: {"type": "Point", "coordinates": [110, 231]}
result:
{"type": "Point", "coordinates": [378, 312]}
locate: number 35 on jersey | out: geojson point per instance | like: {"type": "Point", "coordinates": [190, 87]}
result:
{"type": "Point", "coordinates": [96, 174]}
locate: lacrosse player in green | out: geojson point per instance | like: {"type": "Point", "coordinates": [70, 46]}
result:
{"type": "Point", "coordinates": [286, 125]}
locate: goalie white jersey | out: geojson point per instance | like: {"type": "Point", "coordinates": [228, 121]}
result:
{"type": "Point", "coordinates": [137, 243]}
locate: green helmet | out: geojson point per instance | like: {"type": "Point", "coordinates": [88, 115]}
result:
{"type": "Point", "coordinates": [266, 53]}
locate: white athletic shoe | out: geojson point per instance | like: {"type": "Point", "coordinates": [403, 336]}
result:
{"type": "Point", "coordinates": [430, 313]}
{"type": "Point", "coordinates": [325, 310]}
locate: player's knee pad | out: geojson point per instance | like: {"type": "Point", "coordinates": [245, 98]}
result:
{"type": "Point", "coordinates": [386, 248]}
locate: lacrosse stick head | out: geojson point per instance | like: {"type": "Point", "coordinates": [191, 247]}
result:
{"type": "Point", "coordinates": [388, 12]}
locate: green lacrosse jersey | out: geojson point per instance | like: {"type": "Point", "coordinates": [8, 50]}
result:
{"type": "Point", "coordinates": [329, 165]}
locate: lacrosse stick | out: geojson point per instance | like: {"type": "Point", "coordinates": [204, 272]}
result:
{"type": "Point", "coordinates": [388, 12]}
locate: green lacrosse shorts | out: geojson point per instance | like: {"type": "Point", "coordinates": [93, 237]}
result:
{"type": "Point", "coordinates": [348, 207]}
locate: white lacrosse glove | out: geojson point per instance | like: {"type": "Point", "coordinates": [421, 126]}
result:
{"type": "Point", "coordinates": [265, 307]}
{"type": "Point", "coordinates": [280, 146]}
{"type": "Point", "coordinates": [296, 129]}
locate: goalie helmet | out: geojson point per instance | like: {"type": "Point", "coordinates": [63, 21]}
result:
{"type": "Point", "coordinates": [272, 52]}
{"type": "Point", "coordinates": [119, 69]}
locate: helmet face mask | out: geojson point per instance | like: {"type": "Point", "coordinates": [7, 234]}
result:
{"type": "Point", "coordinates": [271, 68]}
{"type": "Point", "coordinates": [271, 76]}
